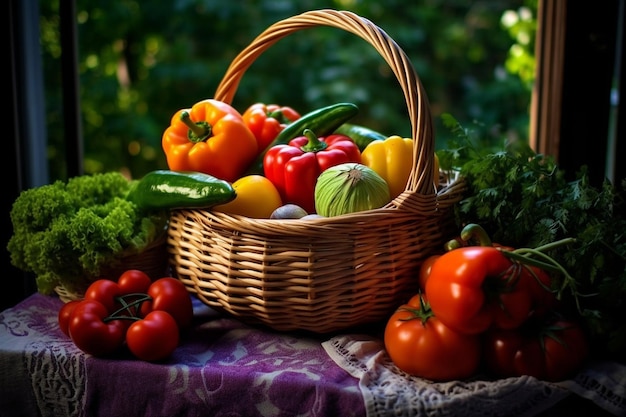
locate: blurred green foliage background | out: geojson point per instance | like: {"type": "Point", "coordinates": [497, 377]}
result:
{"type": "Point", "coordinates": [141, 61]}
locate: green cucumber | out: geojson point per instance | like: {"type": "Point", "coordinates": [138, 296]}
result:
{"type": "Point", "coordinates": [164, 189]}
{"type": "Point", "coordinates": [322, 121]}
{"type": "Point", "coordinates": [361, 135]}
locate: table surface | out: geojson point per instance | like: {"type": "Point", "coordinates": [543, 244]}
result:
{"type": "Point", "coordinates": [223, 367]}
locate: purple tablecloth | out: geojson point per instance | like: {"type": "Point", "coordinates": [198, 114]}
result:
{"type": "Point", "coordinates": [222, 368]}
{"type": "Point", "coordinates": [225, 368]}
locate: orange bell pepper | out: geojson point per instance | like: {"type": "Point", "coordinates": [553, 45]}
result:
{"type": "Point", "coordinates": [210, 137]}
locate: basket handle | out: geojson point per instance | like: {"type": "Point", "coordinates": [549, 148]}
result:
{"type": "Point", "coordinates": [421, 177]}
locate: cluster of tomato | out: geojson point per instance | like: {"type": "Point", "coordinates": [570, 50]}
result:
{"type": "Point", "coordinates": [481, 306]}
{"type": "Point", "coordinates": [135, 312]}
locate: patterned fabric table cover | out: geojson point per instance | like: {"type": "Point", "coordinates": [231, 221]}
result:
{"type": "Point", "coordinates": [223, 368]}
{"type": "Point", "coordinates": [226, 368]}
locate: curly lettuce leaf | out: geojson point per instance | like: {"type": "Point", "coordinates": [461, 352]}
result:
{"type": "Point", "coordinates": [66, 233]}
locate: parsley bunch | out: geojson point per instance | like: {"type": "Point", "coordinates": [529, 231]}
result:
{"type": "Point", "coordinates": [523, 199]}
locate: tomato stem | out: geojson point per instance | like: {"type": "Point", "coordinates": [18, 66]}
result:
{"type": "Point", "coordinates": [423, 313]}
{"type": "Point", "coordinates": [547, 263]}
{"type": "Point", "coordinates": [131, 308]}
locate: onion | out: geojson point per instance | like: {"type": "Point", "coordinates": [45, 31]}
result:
{"type": "Point", "coordinates": [348, 188]}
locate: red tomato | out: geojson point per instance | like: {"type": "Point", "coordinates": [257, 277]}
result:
{"type": "Point", "coordinates": [566, 348]}
{"type": "Point", "coordinates": [65, 312]}
{"type": "Point", "coordinates": [421, 345]}
{"type": "Point", "coordinates": [134, 281]}
{"type": "Point", "coordinates": [473, 288]}
{"type": "Point", "coordinates": [425, 269]}
{"type": "Point", "coordinates": [552, 350]}
{"type": "Point", "coordinates": [154, 337]}
{"type": "Point", "coordinates": [104, 291]}
{"type": "Point", "coordinates": [134, 286]}
{"type": "Point", "coordinates": [543, 297]}
{"type": "Point", "coordinates": [170, 294]}
{"type": "Point", "coordinates": [91, 334]}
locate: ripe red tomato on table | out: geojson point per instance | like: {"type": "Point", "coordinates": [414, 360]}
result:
{"type": "Point", "coordinates": [170, 294]}
{"type": "Point", "coordinates": [154, 337]}
{"type": "Point", "coordinates": [134, 281]}
{"type": "Point", "coordinates": [422, 345]}
{"type": "Point", "coordinates": [552, 349]}
{"type": "Point", "coordinates": [543, 296]}
{"type": "Point", "coordinates": [104, 291]}
{"type": "Point", "coordinates": [65, 313]}
{"type": "Point", "coordinates": [89, 331]}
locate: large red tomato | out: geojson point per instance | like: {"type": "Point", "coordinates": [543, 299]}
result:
{"type": "Point", "coordinates": [421, 345]}
{"type": "Point", "coordinates": [153, 338]}
{"type": "Point", "coordinates": [551, 350]}
{"type": "Point", "coordinates": [104, 291]}
{"type": "Point", "coordinates": [92, 333]}
{"type": "Point", "coordinates": [134, 281]}
{"type": "Point", "coordinates": [170, 294]}
{"type": "Point", "coordinates": [65, 314]}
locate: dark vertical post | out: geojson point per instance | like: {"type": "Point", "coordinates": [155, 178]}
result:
{"type": "Point", "coordinates": [71, 92]}
{"type": "Point", "coordinates": [587, 81]}
{"type": "Point", "coordinates": [25, 137]}
{"type": "Point", "coordinates": [619, 172]}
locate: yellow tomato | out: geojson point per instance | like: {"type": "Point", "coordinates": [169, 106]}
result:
{"type": "Point", "coordinates": [257, 197]}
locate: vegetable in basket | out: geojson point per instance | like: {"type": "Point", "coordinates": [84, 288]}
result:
{"type": "Point", "coordinates": [361, 135]}
{"type": "Point", "coordinates": [67, 232]}
{"type": "Point", "coordinates": [294, 168]}
{"type": "Point", "coordinates": [266, 121]}
{"type": "Point", "coordinates": [392, 159]}
{"type": "Point", "coordinates": [348, 188]}
{"type": "Point", "coordinates": [322, 122]}
{"type": "Point", "coordinates": [257, 197]}
{"type": "Point", "coordinates": [165, 189]}
{"type": "Point", "coordinates": [210, 137]}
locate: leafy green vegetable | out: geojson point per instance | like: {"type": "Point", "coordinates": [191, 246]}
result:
{"type": "Point", "coordinates": [67, 232]}
{"type": "Point", "coordinates": [523, 199]}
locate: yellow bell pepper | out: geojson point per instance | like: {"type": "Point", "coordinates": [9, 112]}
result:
{"type": "Point", "coordinates": [392, 159]}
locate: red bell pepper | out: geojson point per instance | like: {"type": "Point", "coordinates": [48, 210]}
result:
{"type": "Point", "coordinates": [266, 121]}
{"type": "Point", "coordinates": [294, 168]}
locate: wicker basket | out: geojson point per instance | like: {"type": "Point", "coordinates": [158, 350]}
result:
{"type": "Point", "coordinates": [327, 274]}
{"type": "Point", "coordinates": [153, 260]}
